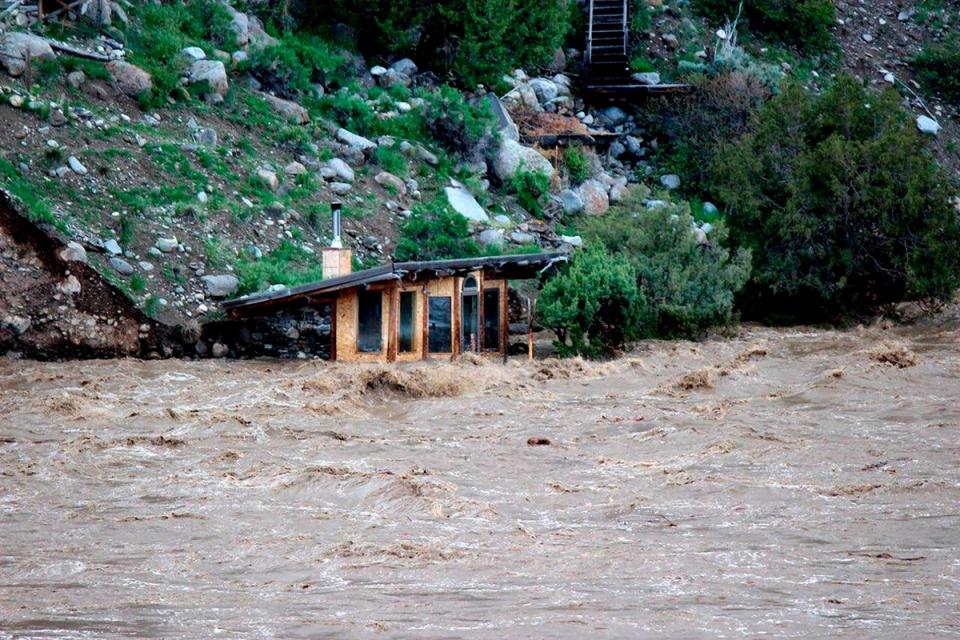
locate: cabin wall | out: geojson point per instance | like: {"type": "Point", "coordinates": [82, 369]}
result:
{"type": "Point", "coordinates": [347, 326]}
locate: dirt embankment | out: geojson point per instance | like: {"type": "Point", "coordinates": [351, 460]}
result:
{"type": "Point", "coordinates": [54, 305]}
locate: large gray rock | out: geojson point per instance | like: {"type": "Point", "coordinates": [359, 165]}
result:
{"type": "Point", "coordinates": [76, 166]}
{"type": "Point", "coordinates": [463, 202]}
{"type": "Point", "coordinates": [491, 237]}
{"type": "Point", "coordinates": [355, 141]}
{"type": "Point", "coordinates": [194, 53]}
{"type": "Point", "coordinates": [928, 125]}
{"type": "Point", "coordinates": [128, 78]}
{"type": "Point", "coordinates": [595, 198]}
{"type": "Point", "coordinates": [612, 116]}
{"type": "Point", "coordinates": [268, 177]}
{"type": "Point", "coordinates": [112, 247]}
{"type": "Point", "coordinates": [523, 237]}
{"type": "Point", "coordinates": [220, 286]}
{"type": "Point", "coordinates": [341, 170]}
{"type": "Point", "coordinates": [648, 78]}
{"type": "Point", "coordinates": [546, 90]}
{"type": "Point", "coordinates": [670, 181]}
{"type": "Point", "coordinates": [73, 252]}
{"type": "Point", "coordinates": [505, 125]}
{"type": "Point", "coordinates": [16, 48]}
{"type": "Point", "coordinates": [513, 156]}
{"type": "Point", "coordinates": [571, 201]}
{"type": "Point", "coordinates": [391, 182]}
{"type": "Point", "coordinates": [121, 266]}
{"type": "Point", "coordinates": [406, 66]}
{"type": "Point", "coordinates": [166, 245]}
{"type": "Point", "coordinates": [211, 72]}
{"type": "Point", "coordinates": [288, 109]}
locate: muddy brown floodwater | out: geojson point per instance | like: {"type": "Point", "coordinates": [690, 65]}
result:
{"type": "Point", "coordinates": [785, 483]}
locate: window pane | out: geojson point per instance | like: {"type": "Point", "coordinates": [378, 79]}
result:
{"type": "Point", "coordinates": [491, 319]}
{"type": "Point", "coordinates": [406, 321]}
{"type": "Point", "coordinates": [369, 339]}
{"type": "Point", "coordinates": [469, 329]}
{"type": "Point", "coordinates": [440, 338]}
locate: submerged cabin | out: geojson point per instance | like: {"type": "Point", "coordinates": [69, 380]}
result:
{"type": "Point", "coordinates": [398, 312]}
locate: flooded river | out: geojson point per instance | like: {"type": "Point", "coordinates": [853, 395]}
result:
{"type": "Point", "coordinates": [784, 483]}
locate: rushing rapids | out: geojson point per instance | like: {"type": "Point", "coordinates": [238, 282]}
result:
{"type": "Point", "coordinates": [795, 483]}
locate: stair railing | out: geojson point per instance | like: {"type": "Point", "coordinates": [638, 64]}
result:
{"type": "Point", "coordinates": [626, 30]}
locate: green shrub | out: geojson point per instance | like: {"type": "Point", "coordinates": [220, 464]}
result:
{"type": "Point", "coordinates": [137, 283]}
{"type": "Point", "coordinates": [391, 160]}
{"type": "Point", "coordinates": [802, 23]}
{"type": "Point", "coordinates": [291, 67]}
{"type": "Point", "coordinates": [938, 67]}
{"type": "Point", "coordinates": [531, 189]}
{"type": "Point", "coordinates": [689, 286]}
{"type": "Point", "coordinates": [288, 265]}
{"type": "Point", "coordinates": [476, 39]}
{"type": "Point", "coordinates": [841, 204]}
{"type": "Point", "coordinates": [593, 305]}
{"type": "Point", "coordinates": [578, 167]}
{"type": "Point", "coordinates": [456, 123]}
{"type": "Point", "coordinates": [435, 232]}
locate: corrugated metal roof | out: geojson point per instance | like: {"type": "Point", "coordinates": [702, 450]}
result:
{"type": "Point", "coordinates": [525, 265]}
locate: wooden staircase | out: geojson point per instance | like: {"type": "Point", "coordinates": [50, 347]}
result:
{"type": "Point", "coordinates": [606, 57]}
{"type": "Point", "coordinates": [607, 42]}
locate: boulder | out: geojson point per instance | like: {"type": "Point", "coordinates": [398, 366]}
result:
{"type": "Point", "coordinates": [76, 166]}
{"type": "Point", "coordinates": [574, 241]}
{"type": "Point", "coordinates": [73, 252]}
{"type": "Point", "coordinates": [571, 201]}
{"type": "Point", "coordinates": [341, 188]}
{"type": "Point", "coordinates": [406, 66]}
{"type": "Point", "coordinates": [512, 156]}
{"type": "Point", "coordinates": [391, 182]}
{"type": "Point", "coordinates": [288, 109]}
{"type": "Point", "coordinates": [268, 177]}
{"type": "Point", "coordinates": [463, 202]}
{"type": "Point", "coordinates": [648, 78]}
{"type": "Point", "coordinates": [355, 141]}
{"type": "Point", "coordinates": [928, 125]}
{"type": "Point", "coordinates": [166, 245]}
{"type": "Point", "coordinates": [128, 78]}
{"type": "Point", "coordinates": [393, 78]}
{"type": "Point", "coordinates": [546, 90]}
{"type": "Point", "coordinates": [523, 237]}
{"type": "Point", "coordinates": [17, 47]}
{"type": "Point", "coordinates": [612, 116]}
{"type": "Point", "coordinates": [341, 170]}
{"type": "Point", "coordinates": [112, 247]}
{"type": "Point", "coordinates": [76, 79]}
{"type": "Point", "coordinates": [220, 286]}
{"type": "Point", "coordinates": [595, 198]}
{"type": "Point", "coordinates": [295, 169]}
{"type": "Point", "coordinates": [211, 72]}
{"type": "Point", "coordinates": [121, 266]}
{"type": "Point", "coordinates": [194, 53]}
{"type": "Point", "coordinates": [491, 237]}
{"type": "Point", "coordinates": [670, 181]}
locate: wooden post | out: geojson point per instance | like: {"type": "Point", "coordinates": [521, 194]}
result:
{"type": "Point", "coordinates": [531, 305]}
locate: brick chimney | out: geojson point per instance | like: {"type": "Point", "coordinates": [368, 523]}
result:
{"type": "Point", "coordinates": [337, 259]}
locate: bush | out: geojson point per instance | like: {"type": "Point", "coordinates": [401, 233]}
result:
{"type": "Point", "coordinates": [476, 39]}
{"type": "Point", "coordinates": [841, 204]}
{"type": "Point", "coordinates": [291, 67]}
{"type": "Point", "coordinates": [717, 110]}
{"type": "Point", "coordinates": [578, 167]}
{"type": "Point", "coordinates": [689, 286]}
{"type": "Point", "coordinates": [938, 67]}
{"type": "Point", "coordinates": [593, 305]}
{"type": "Point", "coordinates": [288, 265]}
{"type": "Point", "coordinates": [531, 189]}
{"type": "Point", "coordinates": [435, 232]}
{"type": "Point", "coordinates": [457, 124]}
{"type": "Point", "coordinates": [163, 32]}
{"type": "Point", "coordinates": [804, 24]}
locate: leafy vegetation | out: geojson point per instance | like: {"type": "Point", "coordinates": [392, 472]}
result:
{"type": "Point", "coordinates": [804, 24]}
{"type": "Point", "coordinates": [578, 167]}
{"type": "Point", "coordinates": [434, 232]}
{"type": "Point", "coordinates": [938, 67]}
{"type": "Point", "coordinates": [531, 189]}
{"type": "Point", "coordinates": [689, 285]}
{"type": "Point", "coordinates": [476, 39]}
{"type": "Point", "coordinates": [288, 265]}
{"type": "Point", "coordinates": [594, 305]}
{"type": "Point", "coordinates": [292, 66]}
{"type": "Point", "coordinates": [841, 204]}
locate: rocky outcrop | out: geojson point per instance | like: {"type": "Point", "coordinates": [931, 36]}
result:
{"type": "Point", "coordinates": [128, 78]}
{"type": "Point", "coordinates": [19, 49]}
{"type": "Point", "coordinates": [55, 305]}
